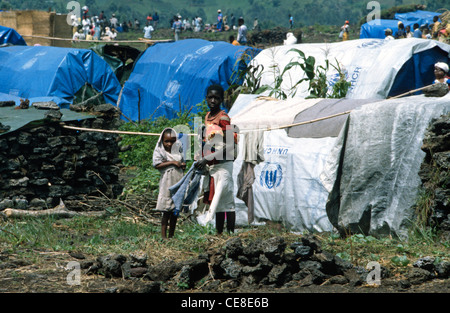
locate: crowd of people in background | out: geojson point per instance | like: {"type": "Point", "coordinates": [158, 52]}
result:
{"type": "Point", "coordinates": [433, 30]}
{"type": "Point", "coordinates": [100, 27]}
{"type": "Point", "coordinates": [222, 24]}
{"type": "Point", "coordinates": [426, 31]}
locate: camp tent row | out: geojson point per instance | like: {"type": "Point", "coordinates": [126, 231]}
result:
{"type": "Point", "coordinates": [353, 171]}
{"type": "Point", "coordinates": [376, 27]}
{"type": "Point", "coordinates": [11, 37]}
{"type": "Point", "coordinates": [160, 79]}
{"type": "Point", "coordinates": [356, 172]}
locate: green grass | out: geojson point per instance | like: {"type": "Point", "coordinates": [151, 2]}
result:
{"type": "Point", "coordinates": [118, 233]}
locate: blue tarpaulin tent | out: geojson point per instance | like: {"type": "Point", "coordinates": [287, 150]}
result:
{"type": "Point", "coordinates": [419, 17]}
{"type": "Point", "coordinates": [375, 28]}
{"type": "Point", "coordinates": [10, 36]}
{"type": "Point", "coordinates": [173, 77]}
{"type": "Point", "coordinates": [53, 74]}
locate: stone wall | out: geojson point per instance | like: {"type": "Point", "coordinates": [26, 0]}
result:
{"type": "Point", "coordinates": [43, 164]}
{"type": "Point", "coordinates": [435, 172]}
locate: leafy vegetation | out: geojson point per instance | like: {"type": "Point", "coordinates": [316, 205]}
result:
{"type": "Point", "coordinates": [138, 159]}
{"type": "Point", "coordinates": [316, 76]}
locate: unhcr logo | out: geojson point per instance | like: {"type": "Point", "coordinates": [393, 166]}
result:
{"type": "Point", "coordinates": [271, 175]}
{"type": "Point", "coordinates": [372, 44]}
{"type": "Point", "coordinates": [204, 49]}
{"type": "Point", "coordinates": [172, 89]}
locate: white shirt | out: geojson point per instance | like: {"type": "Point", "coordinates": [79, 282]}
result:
{"type": "Point", "coordinates": [78, 35]}
{"type": "Point", "coordinates": [110, 34]}
{"type": "Point", "coordinates": [148, 31]}
{"type": "Point", "coordinates": [242, 34]}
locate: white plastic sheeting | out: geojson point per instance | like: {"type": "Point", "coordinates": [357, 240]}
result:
{"type": "Point", "coordinates": [287, 186]}
{"type": "Point", "coordinates": [371, 65]}
{"type": "Point", "coordinates": [372, 171]}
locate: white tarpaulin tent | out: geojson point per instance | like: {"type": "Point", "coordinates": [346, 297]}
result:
{"type": "Point", "coordinates": [364, 178]}
{"type": "Point", "coordinates": [288, 163]}
{"type": "Point", "coordinates": [376, 68]}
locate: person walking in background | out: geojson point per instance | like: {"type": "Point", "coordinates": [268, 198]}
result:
{"type": "Point", "coordinates": [388, 34]}
{"type": "Point", "coordinates": [344, 31]}
{"type": "Point", "coordinates": [417, 33]}
{"type": "Point", "coordinates": [155, 20]}
{"type": "Point", "coordinates": [168, 159]}
{"type": "Point", "coordinates": [114, 22]}
{"type": "Point", "coordinates": [176, 26]}
{"type": "Point", "coordinates": [242, 32]}
{"type": "Point", "coordinates": [232, 21]}
{"type": "Point", "coordinates": [436, 27]}
{"type": "Point", "coordinates": [148, 31]}
{"type": "Point", "coordinates": [291, 21]}
{"type": "Point", "coordinates": [255, 24]}
{"type": "Point", "coordinates": [408, 33]}
{"type": "Point", "coordinates": [137, 24]}
{"type": "Point", "coordinates": [149, 19]}
{"type": "Point", "coordinates": [219, 20]}
{"type": "Point", "coordinates": [401, 32]}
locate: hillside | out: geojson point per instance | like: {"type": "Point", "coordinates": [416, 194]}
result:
{"type": "Point", "coordinates": [270, 13]}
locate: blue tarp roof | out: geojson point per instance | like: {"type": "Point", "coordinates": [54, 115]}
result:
{"type": "Point", "coordinates": [53, 74]}
{"type": "Point", "coordinates": [9, 35]}
{"type": "Point", "coordinates": [419, 17]}
{"type": "Point", "coordinates": [173, 77]}
{"type": "Point", "coordinates": [375, 28]}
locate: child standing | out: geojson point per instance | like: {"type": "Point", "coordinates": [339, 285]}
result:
{"type": "Point", "coordinates": [168, 159]}
{"type": "Point", "coordinates": [217, 158]}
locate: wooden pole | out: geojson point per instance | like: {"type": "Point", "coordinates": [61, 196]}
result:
{"type": "Point", "coordinates": [410, 92]}
{"type": "Point", "coordinates": [139, 106]}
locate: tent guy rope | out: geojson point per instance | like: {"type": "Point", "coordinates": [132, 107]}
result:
{"type": "Point", "coordinates": [147, 41]}
{"type": "Point", "coordinates": [242, 130]}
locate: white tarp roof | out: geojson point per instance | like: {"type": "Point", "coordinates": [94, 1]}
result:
{"type": "Point", "coordinates": [370, 64]}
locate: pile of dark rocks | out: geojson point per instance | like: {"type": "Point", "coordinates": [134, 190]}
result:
{"type": "Point", "coordinates": [435, 173]}
{"type": "Point", "coordinates": [273, 36]}
{"type": "Point", "coordinates": [41, 165]}
{"type": "Point", "coordinates": [238, 266]}
{"type": "Point", "coordinates": [259, 265]}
